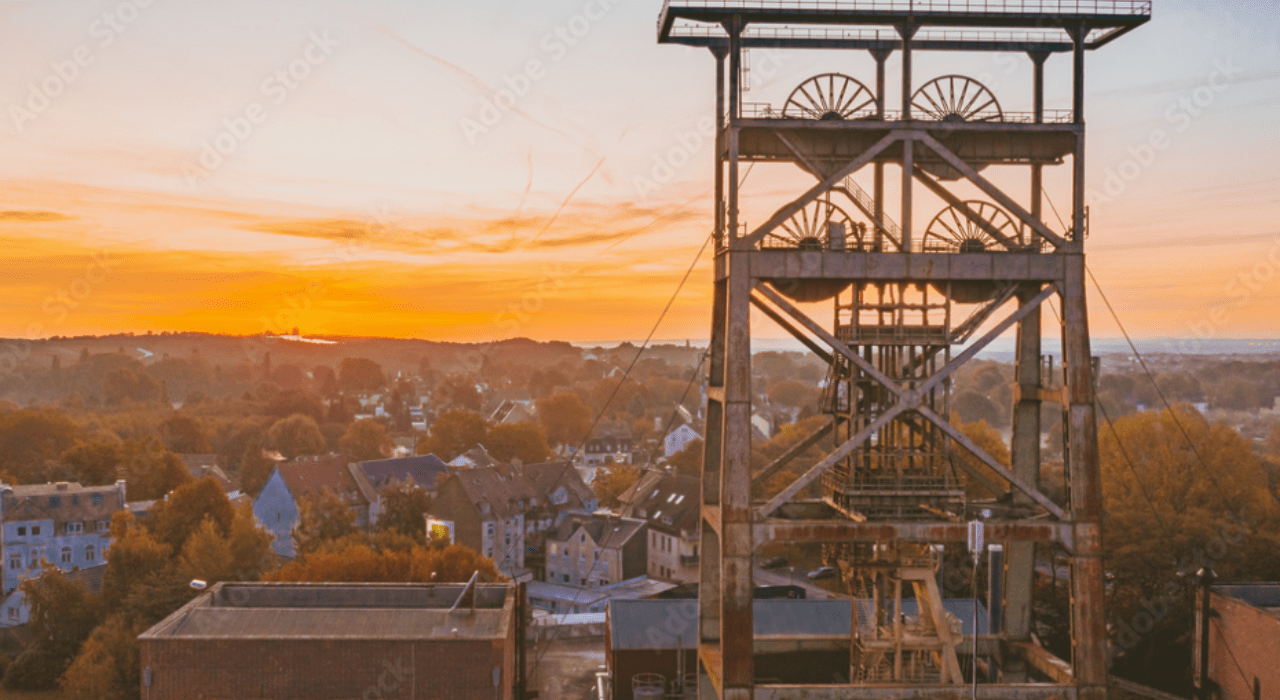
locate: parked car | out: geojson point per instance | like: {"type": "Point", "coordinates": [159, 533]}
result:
{"type": "Point", "coordinates": [822, 572]}
{"type": "Point", "coordinates": [770, 592]}
{"type": "Point", "coordinates": [774, 562]}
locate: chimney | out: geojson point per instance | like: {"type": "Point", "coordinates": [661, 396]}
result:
{"type": "Point", "coordinates": [120, 491]}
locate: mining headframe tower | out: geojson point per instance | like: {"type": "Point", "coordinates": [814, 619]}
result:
{"type": "Point", "coordinates": [897, 487]}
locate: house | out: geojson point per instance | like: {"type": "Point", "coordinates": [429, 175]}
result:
{"type": "Point", "coordinates": [339, 641]}
{"type": "Point", "coordinates": [510, 412]}
{"type": "Point", "coordinates": [202, 465]}
{"type": "Point", "coordinates": [676, 440]}
{"type": "Point", "coordinates": [596, 550]}
{"type": "Point", "coordinates": [63, 523]}
{"type": "Point", "coordinates": [485, 508]}
{"type": "Point", "coordinates": [16, 610]}
{"type": "Point", "coordinates": [278, 506]}
{"type": "Point", "coordinates": [562, 488]}
{"type": "Point", "coordinates": [668, 504]}
{"type": "Point", "coordinates": [425, 470]}
{"type": "Point", "coordinates": [608, 444]}
{"type": "Point", "coordinates": [477, 456]}
{"type": "Point", "coordinates": [1244, 640]}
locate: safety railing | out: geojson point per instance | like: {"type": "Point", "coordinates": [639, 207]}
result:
{"type": "Point", "coordinates": [1071, 7]}
{"type": "Point", "coordinates": [764, 110]}
{"type": "Point", "coordinates": [689, 29]}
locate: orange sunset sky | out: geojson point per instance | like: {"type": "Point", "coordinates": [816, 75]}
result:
{"type": "Point", "coordinates": [364, 187]}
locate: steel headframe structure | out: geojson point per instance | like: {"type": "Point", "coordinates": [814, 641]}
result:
{"type": "Point", "coordinates": [891, 492]}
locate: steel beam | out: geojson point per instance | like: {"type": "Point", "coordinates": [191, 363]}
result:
{"type": "Point", "coordinates": [855, 267]}
{"type": "Point", "coordinates": [835, 531]}
{"type": "Point", "coordinates": [796, 450]}
{"type": "Point", "coordinates": [1029, 691]}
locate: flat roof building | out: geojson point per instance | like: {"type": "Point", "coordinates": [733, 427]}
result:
{"type": "Point", "coordinates": [260, 641]}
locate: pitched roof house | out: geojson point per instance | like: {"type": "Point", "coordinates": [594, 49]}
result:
{"type": "Point", "coordinates": [669, 504]}
{"type": "Point", "coordinates": [278, 505]}
{"type": "Point", "coordinates": [202, 465]}
{"type": "Point", "coordinates": [596, 550]}
{"type": "Point", "coordinates": [477, 456]}
{"type": "Point", "coordinates": [425, 470]}
{"type": "Point", "coordinates": [486, 507]}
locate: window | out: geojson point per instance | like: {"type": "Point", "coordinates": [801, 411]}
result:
{"type": "Point", "coordinates": [34, 559]}
{"type": "Point", "coordinates": [489, 529]}
{"type": "Point", "coordinates": [104, 525]}
{"type": "Point", "coordinates": [35, 529]}
{"type": "Point", "coordinates": [566, 578]}
{"type": "Point", "coordinates": [553, 549]}
{"type": "Point", "coordinates": [13, 613]}
{"type": "Point", "coordinates": [22, 531]}
{"type": "Point", "coordinates": [90, 553]}
{"type": "Point", "coordinates": [603, 582]}
{"type": "Point", "coordinates": [596, 555]}
{"type": "Point", "coordinates": [66, 555]}
{"type": "Point", "coordinates": [584, 582]}
{"type": "Point", "coordinates": [97, 499]}
{"type": "Point", "coordinates": [75, 500]}
{"type": "Point", "coordinates": [15, 561]}
{"type": "Point", "coordinates": [55, 501]}
{"type": "Point", "coordinates": [582, 537]}
{"type": "Point", "coordinates": [75, 528]}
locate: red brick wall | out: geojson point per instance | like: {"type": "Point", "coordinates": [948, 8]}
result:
{"type": "Point", "coordinates": [1253, 637]}
{"type": "Point", "coordinates": [325, 669]}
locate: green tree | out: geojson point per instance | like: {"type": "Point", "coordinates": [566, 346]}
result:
{"type": "Point", "coordinates": [63, 614]}
{"type": "Point", "coordinates": [523, 441]}
{"type": "Point", "coordinates": [403, 506]}
{"type": "Point", "coordinates": [453, 433]}
{"type": "Point", "coordinates": [366, 439]}
{"type": "Point", "coordinates": [564, 418]}
{"type": "Point", "coordinates": [181, 515]}
{"type": "Point", "coordinates": [296, 435]}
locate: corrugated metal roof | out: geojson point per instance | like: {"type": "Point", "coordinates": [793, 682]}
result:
{"type": "Point", "coordinates": [659, 624]}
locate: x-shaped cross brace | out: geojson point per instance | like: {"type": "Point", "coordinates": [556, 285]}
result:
{"type": "Point", "coordinates": [908, 399]}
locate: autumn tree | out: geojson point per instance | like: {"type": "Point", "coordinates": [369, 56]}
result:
{"type": "Point", "coordinates": [206, 555]}
{"type": "Point", "coordinates": [250, 543]}
{"type": "Point", "coordinates": [184, 433]}
{"type": "Point", "coordinates": [108, 665]}
{"type": "Point", "coordinates": [365, 440]}
{"type": "Point", "coordinates": [361, 563]}
{"type": "Point", "coordinates": [523, 441]}
{"type": "Point", "coordinates": [151, 470]}
{"type": "Point", "coordinates": [403, 505]}
{"type": "Point", "coordinates": [323, 517]}
{"type": "Point", "coordinates": [63, 614]}
{"type": "Point", "coordinates": [612, 481]}
{"type": "Point", "coordinates": [1174, 502]}
{"type": "Point", "coordinates": [296, 435]}
{"type": "Point", "coordinates": [180, 516]}
{"type": "Point", "coordinates": [94, 462]}
{"type": "Point", "coordinates": [689, 459]}
{"type": "Point", "coordinates": [564, 418]}
{"type": "Point", "coordinates": [135, 556]}
{"type": "Point", "coordinates": [453, 433]}
{"type": "Point", "coordinates": [30, 438]}
{"type": "Point", "coordinates": [360, 375]}
{"type": "Point", "coordinates": [966, 463]}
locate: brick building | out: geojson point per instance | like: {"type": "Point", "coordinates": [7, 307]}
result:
{"type": "Point", "coordinates": [1244, 640]}
{"type": "Point", "coordinates": [278, 641]}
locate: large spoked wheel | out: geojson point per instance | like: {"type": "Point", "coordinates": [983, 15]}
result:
{"type": "Point", "coordinates": [951, 231]}
{"type": "Point", "coordinates": [956, 98]}
{"type": "Point", "coordinates": [828, 97]}
{"type": "Point", "coordinates": [809, 228]}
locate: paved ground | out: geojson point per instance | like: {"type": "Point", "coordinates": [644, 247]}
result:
{"type": "Point", "coordinates": [568, 668]}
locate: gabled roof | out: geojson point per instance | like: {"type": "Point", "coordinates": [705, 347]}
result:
{"type": "Point", "coordinates": [308, 478]}
{"type": "Point", "coordinates": [611, 431]}
{"type": "Point", "coordinates": [477, 456]}
{"type": "Point", "coordinates": [648, 479]}
{"type": "Point", "coordinates": [549, 476]}
{"type": "Point", "coordinates": [670, 503]}
{"type": "Point", "coordinates": [425, 470]}
{"type": "Point", "coordinates": [201, 466]}
{"type": "Point", "coordinates": [502, 487]}
{"type": "Point", "coordinates": [608, 532]}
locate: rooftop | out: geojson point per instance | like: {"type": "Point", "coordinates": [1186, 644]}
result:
{"type": "Point", "coordinates": [318, 611]}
